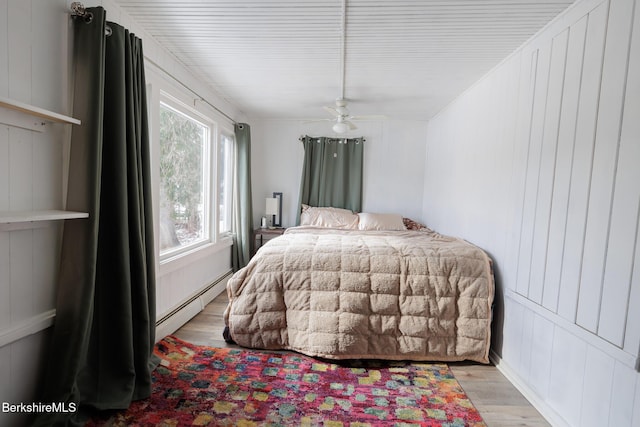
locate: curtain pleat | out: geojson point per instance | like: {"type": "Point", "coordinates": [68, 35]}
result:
{"type": "Point", "coordinates": [242, 224]}
{"type": "Point", "coordinates": [332, 173]}
{"type": "Point", "coordinates": [102, 350]}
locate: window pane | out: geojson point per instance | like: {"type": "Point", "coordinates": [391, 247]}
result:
{"type": "Point", "coordinates": [225, 180]}
{"type": "Point", "coordinates": [183, 148]}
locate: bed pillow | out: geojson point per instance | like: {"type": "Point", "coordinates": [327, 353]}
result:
{"type": "Point", "coordinates": [328, 217]}
{"type": "Point", "coordinates": [376, 221]}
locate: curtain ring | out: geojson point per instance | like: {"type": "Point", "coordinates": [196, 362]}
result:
{"type": "Point", "coordinates": [87, 17]}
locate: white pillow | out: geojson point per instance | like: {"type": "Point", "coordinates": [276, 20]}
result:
{"type": "Point", "coordinates": [375, 221]}
{"type": "Point", "coordinates": [328, 217]}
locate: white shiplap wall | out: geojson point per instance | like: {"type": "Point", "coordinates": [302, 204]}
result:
{"type": "Point", "coordinates": [552, 194]}
{"type": "Point", "coordinates": [35, 68]}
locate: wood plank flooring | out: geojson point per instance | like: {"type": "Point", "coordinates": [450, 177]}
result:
{"type": "Point", "coordinates": [499, 402]}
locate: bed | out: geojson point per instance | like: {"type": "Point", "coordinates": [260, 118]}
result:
{"type": "Point", "coordinates": [369, 287]}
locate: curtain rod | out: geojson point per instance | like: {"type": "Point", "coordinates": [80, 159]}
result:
{"type": "Point", "coordinates": [78, 10]}
{"type": "Point", "coordinates": [200, 98]}
{"type": "Point", "coordinates": [303, 136]}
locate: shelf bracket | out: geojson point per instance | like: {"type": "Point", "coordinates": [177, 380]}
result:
{"type": "Point", "coordinates": [20, 120]}
{"type": "Point", "coordinates": [30, 117]}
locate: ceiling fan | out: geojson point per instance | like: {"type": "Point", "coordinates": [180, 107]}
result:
{"type": "Point", "coordinates": [341, 116]}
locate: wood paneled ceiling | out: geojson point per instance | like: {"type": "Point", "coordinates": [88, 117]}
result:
{"type": "Point", "coordinates": [281, 58]}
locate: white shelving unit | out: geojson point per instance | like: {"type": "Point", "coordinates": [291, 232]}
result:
{"type": "Point", "coordinates": [15, 113]}
{"type": "Point", "coordinates": [18, 220]}
{"type": "Point", "coordinates": [25, 116]}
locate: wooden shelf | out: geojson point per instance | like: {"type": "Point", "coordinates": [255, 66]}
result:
{"type": "Point", "coordinates": [13, 118]}
{"type": "Point", "coordinates": [19, 220]}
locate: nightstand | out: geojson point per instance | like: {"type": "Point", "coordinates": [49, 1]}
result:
{"type": "Point", "coordinates": [263, 235]}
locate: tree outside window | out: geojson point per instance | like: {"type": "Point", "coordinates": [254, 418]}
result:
{"type": "Point", "coordinates": [184, 213]}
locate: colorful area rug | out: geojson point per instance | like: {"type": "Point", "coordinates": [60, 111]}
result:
{"type": "Point", "coordinates": [205, 386]}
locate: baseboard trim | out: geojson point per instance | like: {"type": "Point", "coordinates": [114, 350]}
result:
{"type": "Point", "coordinates": [545, 410]}
{"type": "Point", "coordinates": [165, 326]}
{"type": "Point", "coordinates": [175, 319]}
{"type": "Point", "coordinates": [30, 326]}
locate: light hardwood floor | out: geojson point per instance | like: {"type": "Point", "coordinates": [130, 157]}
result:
{"type": "Point", "coordinates": [499, 402]}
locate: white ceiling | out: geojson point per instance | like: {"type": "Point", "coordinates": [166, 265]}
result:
{"type": "Point", "coordinates": [281, 58]}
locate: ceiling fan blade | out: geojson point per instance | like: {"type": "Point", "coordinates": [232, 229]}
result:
{"type": "Point", "coordinates": [351, 125]}
{"type": "Point", "coordinates": [317, 120]}
{"type": "Point", "coordinates": [367, 117]}
{"type": "Point", "coordinates": [332, 111]}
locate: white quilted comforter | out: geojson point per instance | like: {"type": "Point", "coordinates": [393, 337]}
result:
{"type": "Point", "coordinates": [346, 294]}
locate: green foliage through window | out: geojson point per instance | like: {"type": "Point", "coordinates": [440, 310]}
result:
{"type": "Point", "coordinates": [183, 148]}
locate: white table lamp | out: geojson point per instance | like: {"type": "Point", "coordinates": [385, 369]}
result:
{"type": "Point", "coordinates": [271, 209]}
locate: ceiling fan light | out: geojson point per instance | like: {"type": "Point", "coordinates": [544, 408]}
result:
{"type": "Point", "coordinates": [340, 127]}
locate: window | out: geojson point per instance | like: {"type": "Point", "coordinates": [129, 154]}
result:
{"type": "Point", "coordinates": [185, 143]}
{"type": "Point", "coordinates": [225, 182]}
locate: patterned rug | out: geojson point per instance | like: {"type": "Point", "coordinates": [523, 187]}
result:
{"type": "Point", "coordinates": [205, 386]}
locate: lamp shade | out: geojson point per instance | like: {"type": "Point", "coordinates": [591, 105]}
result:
{"type": "Point", "coordinates": [271, 207]}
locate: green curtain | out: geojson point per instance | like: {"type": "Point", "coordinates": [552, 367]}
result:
{"type": "Point", "coordinates": [332, 172]}
{"type": "Point", "coordinates": [242, 210]}
{"type": "Point", "coordinates": [101, 355]}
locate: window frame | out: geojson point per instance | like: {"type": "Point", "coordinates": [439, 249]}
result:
{"type": "Point", "coordinates": [216, 241]}
{"type": "Point", "coordinates": [229, 176]}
